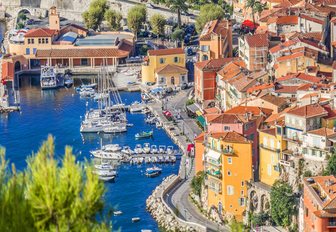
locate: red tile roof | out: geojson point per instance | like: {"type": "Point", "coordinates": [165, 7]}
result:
{"type": "Point", "coordinates": [287, 89]}
{"type": "Point", "coordinates": [331, 112]}
{"type": "Point", "coordinates": [282, 46]}
{"type": "Point", "coordinates": [217, 27]}
{"type": "Point", "coordinates": [287, 20]}
{"type": "Point", "coordinates": [309, 111]}
{"type": "Point", "coordinates": [163, 52]}
{"type": "Point", "coordinates": [171, 68]}
{"type": "Point", "coordinates": [40, 32]}
{"type": "Point", "coordinates": [325, 132]}
{"type": "Point", "coordinates": [301, 76]}
{"type": "Point", "coordinates": [214, 64]}
{"type": "Point", "coordinates": [260, 87]}
{"type": "Point", "coordinates": [257, 40]}
{"type": "Point", "coordinates": [278, 101]}
{"type": "Point", "coordinates": [315, 20]}
{"type": "Point", "coordinates": [231, 136]}
{"type": "Point", "coordinates": [225, 118]}
{"type": "Point", "coordinates": [200, 137]}
{"type": "Point", "coordinates": [270, 131]}
{"type": "Point", "coordinates": [249, 109]}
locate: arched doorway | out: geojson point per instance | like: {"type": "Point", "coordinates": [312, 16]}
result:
{"type": "Point", "coordinates": [220, 208]}
{"type": "Point", "coordinates": [253, 201]}
{"type": "Point", "coordinates": [17, 66]}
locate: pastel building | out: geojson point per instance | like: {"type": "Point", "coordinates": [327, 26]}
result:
{"type": "Point", "coordinates": [165, 67]}
{"type": "Point", "coordinates": [228, 167]}
{"type": "Point", "coordinates": [319, 204]}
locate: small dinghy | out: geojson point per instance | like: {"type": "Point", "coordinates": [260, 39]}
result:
{"type": "Point", "coordinates": [135, 219]}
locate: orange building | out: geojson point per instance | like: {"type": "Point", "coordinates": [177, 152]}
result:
{"type": "Point", "coordinates": [199, 153]}
{"type": "Point", "coordinates": [216, 40]}
{"type": "Point", "coordinates": [319, 204]}
{"type": "Point", "coordinates": [205, 80]}
{"type": "Point", "coordinates": [228, 165]}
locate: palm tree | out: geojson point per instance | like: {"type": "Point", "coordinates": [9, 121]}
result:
{"type": "Point", "coordinates": [255, 6]}
{"type": "Point", "coordinates": [177, 6]}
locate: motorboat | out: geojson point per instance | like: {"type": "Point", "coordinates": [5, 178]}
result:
{"type": "Point", "coordinates": [129, 124]}
{"type": "Point", "coordinates": [88, 86]}
{"type": "Point", "coordinates": [153, 172]}
{"type": "Point", "coordinates": [138, 149]}
{"type": "Point", "coordinates": [114, 129]}
{"type": "Point", "coordinates": [107, 178]}
{"type": "Point", "coordinates": [111, 148]}
{"type": "Point", "coordinates": [144, 134]}
{"type": "Point", "coordinates": [68, 80]}
{"type": "Point", "coordinates": [162, 149]}
{"type": "Point", "coordinates": [117, 213]}
{"type": "Point", "coordinates": [103, 166]}
{"type": "Point", "coordinates": [137, 107]}
{"type": "Point", "coordinates": [135, 219]}
{"type": "Point", "coordinates": [48, 78]}
{"type": "Point", "coordinates": [107, 155]}
{"type": "Point", "coordinates": [170, 150]}
{"type": "Point", "coordinates": [154, 149]}
{"type": "Point", "coordinates": [151, 120]}
{"type": "Point", "coordinates": [146, 148]}
{"type": "Point", "coordinates": [106, 172]}
{"type": "Point", "coordinates": [158, 124]}
{"type": "Point", "coordinates": [127, 150]}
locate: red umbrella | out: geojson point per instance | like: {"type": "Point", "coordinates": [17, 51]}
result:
{"type": "Point", "coordinates": [250, 24]}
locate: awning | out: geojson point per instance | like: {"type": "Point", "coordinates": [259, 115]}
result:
{"type": "Point", "coordinates": [213, 154]}
{"type": "Point", "coordinates": [199, 113]}
{"type": "Point", "coordinates": [190, 146]}
{"type": "Point", "coordinates": [192, 108]}
{"type": "Point", "coordinates": [201, 120]}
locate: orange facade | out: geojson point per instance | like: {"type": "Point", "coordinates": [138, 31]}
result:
{"type": "Point", "coordinates": [199, 151]}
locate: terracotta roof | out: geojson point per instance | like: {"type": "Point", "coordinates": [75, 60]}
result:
{"type": "Point", "coordinates": [325, 132]}
{"type": "Point", "coordinates": [301, 76]}
{"type": "Point", "coordinates": [170, 68]}
{"type": "Point", "coordinates": [260, 87]}
{"type": "Point", "coordinates": [163, 52]}
{"type": "Point", "coordinates": [282, 46]}
{"type": "Point", "coordinates": [309, 111]}
{"type": "Point", "coordinates": [309, 95]}
{"type": "Point", "coordinates": [214, 64]}
{"type": "Point", "coordinates": [249, 109]}
{"type": "Point", "coordinates": [200, 137]}
{"type": "Point", "coordinates": [82, 52]}
{"type": "Point", "coordinates": [40, 32]}
{"type": "Point", "coordinates": [217, 27]}
{"type": "Point", "coordinates": [230, 136]}
{"type": "Point", "coordinates": [212, 110]}
{"type": "Point", "coordinates": [331, 112]}
{"type": "Point", "coordinates": [299, 52]}
{"type": "Point", "coordinates": [225, 118]}
{"type": "Point", "coordinates": [287, 20]}
{"type": "Point", "coordinates": [287, 89]}
{"type": "Point", "coordinates": [232, 69]}
{"type": "Point", "coordinates": [315, 20]}
{"type": "Point", "coordinates": [278, 101]}
{"type": "Point", "coordinates": [270, 131]}
{"type": "Point", "coordinates": [257, 40]}
{"type": "Point", "coordinates": [326, 2]}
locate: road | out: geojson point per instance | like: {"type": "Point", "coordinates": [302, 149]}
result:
{"type": "Point", "coordinates": [178, 197]}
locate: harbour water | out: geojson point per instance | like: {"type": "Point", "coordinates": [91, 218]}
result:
{"type": "Point", "coordinates": [58, 112]}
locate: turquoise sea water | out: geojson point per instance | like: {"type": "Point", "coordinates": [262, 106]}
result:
{"type": "Point", "coordinates": [58, 112]}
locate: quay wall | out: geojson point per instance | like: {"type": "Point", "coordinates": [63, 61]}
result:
{"type": "Point", "coordinates": [163, 214]}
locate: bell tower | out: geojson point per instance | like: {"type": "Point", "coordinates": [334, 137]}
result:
{"type": "Point", "coordinates": [54, 19]}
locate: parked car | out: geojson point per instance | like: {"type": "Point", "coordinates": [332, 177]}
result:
{"type": "Point", "coordinates": [236, 26]}
{"type": "Point", "coordinates": [184, 86]}
{"type": "Point", "coordinates": [150, 83]}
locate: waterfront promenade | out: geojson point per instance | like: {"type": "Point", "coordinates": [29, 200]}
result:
{"type": "Point", "coordinates": [177, 197]}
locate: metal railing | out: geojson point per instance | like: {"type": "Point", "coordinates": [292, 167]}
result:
{"type": "Point", "coordinates": [277, 150]}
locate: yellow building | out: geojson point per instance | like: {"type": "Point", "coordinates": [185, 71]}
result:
{"type": "Point", "coordinates": [165, 67]}
{"type": "Point", "coordinates": [228, 164]}
{"type": "Point", "coordinates": [270, 147]}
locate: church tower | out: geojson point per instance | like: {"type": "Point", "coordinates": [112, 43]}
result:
{"type": "Point", "coordinates": [54, 19]}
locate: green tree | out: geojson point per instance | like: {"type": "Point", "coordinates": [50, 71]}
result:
{"type": "Point", "coordinates": [177, 35]}
{"type": "Point", "coordinates": [51, 196]}
{"type": "Point", "coordinates": [255, 6]}
{"type": "Point", "coordinates": [197, 183]}
{"type": "Point", "coordinates": [236, 226]}
{"type": "Point", "coordinates": [158, 22]}
{"type": "Point", "coordinates": [282, 203]}
{"type": "Point", "coordinates": [136, 17]}
{"type": "Point", "coordinates": [94, 16]}
{"type": "Point", "coordinates": [113, 19]}
{"type": "Point", "coordinates": [331, 166]}
{"type": "Point", "coordinates": [177, 6]}
{"type": "Point", "coordinates": [208, 12]}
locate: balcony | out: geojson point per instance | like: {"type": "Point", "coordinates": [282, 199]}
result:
{"type": "Point", "coordinates": [294, 139]}
{"type": "Point", "coordinates": [227, 150]}
{"type": "Point", "coordinates": [217, 190]}
{"type": "Point", "coordinates": [270, 148]}
{"type": "Point", "coordinates": [215, 173]}
{"type": "Point", "coordinates": [213, 162]}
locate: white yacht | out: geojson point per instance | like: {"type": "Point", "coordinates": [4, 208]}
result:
{"type": "Point", "coordinates": [115, 129]}
{"type": "Point", "coordinates": [137, 107]}
{"type": "Point", "coordinates": [170, 150]}
{"type": "Point", "coordinates": [154, 149]}
{"type": "Point", "coordinates": [162, 149]}
{"type": "Point", "coordinates": [146, 148]}
{"type": "Point", "coordinates": [138, 149]}
{"type": "Point", "coordinates": [48, 79]}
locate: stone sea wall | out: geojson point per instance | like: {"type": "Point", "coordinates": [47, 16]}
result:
{"type": "Point", "coordinates": [164, 215]}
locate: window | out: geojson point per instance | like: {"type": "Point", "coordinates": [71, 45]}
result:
{"type": "Point", "coordinates": [242, 201]}
{"type": "Point", "coordinates": [32, 41]}
{"type": "Point", "coordinates": [176, 59]}
{"type": "Point", "coordinates": [43, 40]}
{"type": "Point", "coordinates": [47, 40]}
{"type": "Point", "coordinates": [162, 60]}
{"type": "Point", "coordinates": [265, 141]}
{"type": "Point", "coordinates": [272, 143]}
{"type": "Point", "coordinates": [288, 63]}
{"type": "Point", "coordinates": [279, 130]}
{"type": "Point", "coordinates": [229, 160]}
{"type": "Point", "coordinates": [242, 193]}
{"type": "Point", "coordinates": [34, 51]}
{"type": "Point", "coordinates": [269, 169]}
{"type": "Point", "coordinates": [242, 183]}
{"type": "Point", "coordinates": [229, 173]}
{"type": "Point", "coordinates": [226, 128]}
{"type": "Point", "coordinates": [84, 62]}
{"type": "Point", "coordinates": [39, 40]}
{"type": "Point", "coordinates": [230, 190]}
{"type": "Point", "coordinates": [27, 51]}
{"type": "Point", "coordinates": [28, 41]}
{"type": "Point", "coordinates": [182, 78]}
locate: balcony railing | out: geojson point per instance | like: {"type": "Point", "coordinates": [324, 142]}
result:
{"type": "Point", "coordinates": [217, 174]}
{"type": "Point", "coordinates": [269, 148]}
{"type": "Point", "coordinates": [285, 163]}
{"type": "Point", "coordinates": [214, 162]}
{"type": "Point", "coordinates": [294, 139]}
{"type": "Point", "coordinates": [217, 190]}
{"type": "Point", "coordinates": [228, 150]}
